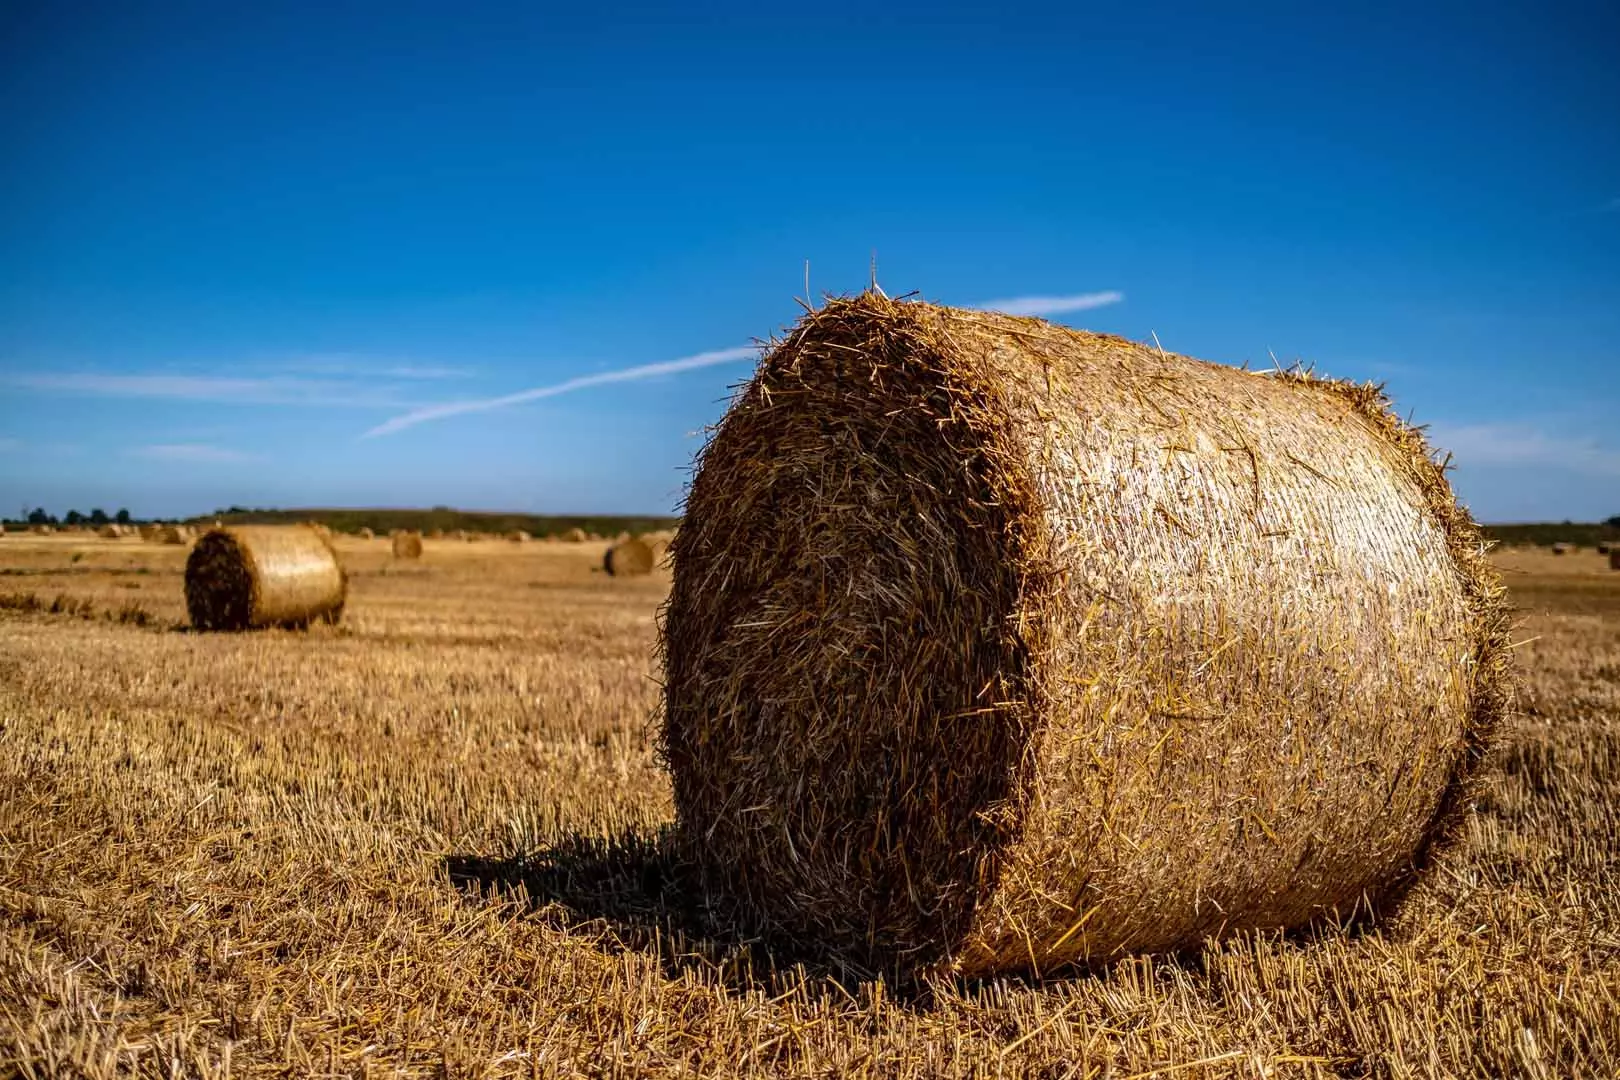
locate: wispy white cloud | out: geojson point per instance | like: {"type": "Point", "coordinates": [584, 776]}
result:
{"type": "Point", "coordinates": [1523, 445]}
{"type": "Point", "coordinates": [632, 374]}
{"type": "Point", "coordinates": [233, 390]}
{"type": "Point", "coordinates": [357, 366]}
{"type": "Point", "coordinates": [205, 453]}
{"type": "Point", "coordinates": [1053, 305]}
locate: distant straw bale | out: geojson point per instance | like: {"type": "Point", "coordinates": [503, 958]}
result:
{"type": "Point", "coordinates": [365, 533]}
{"type": "Point", "coordinates": [629, 558]}
{"type": "Point", "coordinates": [436, 534]}
{"type": "Point", "coordinates": [109, 532]}
{"type": "Point", "coordinates": [995, 645]}
{"type": "Point", "coordinates": [1562, 548]}
{"type": "Point", "coordinates": [518, 536]}
{"type": "Point", "coordinates": [251, 576]}
{"type": "Point", "coordinates": [41, 530]}
{"type": "Point", "coordinates": [1604, 546]}
{"type": "Point", "coordinates": [407, 545]}
{"type": "Point", "coordinates": [575, 535]}
{"type": "Point", "coordinates": [1614, 557]}
{"type": "Point", "coordinates": [168, 534]}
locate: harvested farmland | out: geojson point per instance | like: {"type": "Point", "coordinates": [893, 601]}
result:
{"type": "Point", "coordinates": [1079, 647]}
{"type": "Point", "coordinates": [629, 558]}
{"type": "Point", "coordinates": [253, 576]}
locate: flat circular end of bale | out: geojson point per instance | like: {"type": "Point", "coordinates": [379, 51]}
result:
{"type": "Point", "coordinates": [629, 558]}
{"type": "Point", "coordinates": [994, 645]}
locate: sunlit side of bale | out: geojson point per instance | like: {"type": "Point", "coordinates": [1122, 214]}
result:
{"type": "Point", "coordinates": [995, 645]}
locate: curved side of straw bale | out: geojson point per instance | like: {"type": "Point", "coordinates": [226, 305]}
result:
{"type": "Point", "coordinates": [366, 533]}
{"type": "Point", "coordinates": [1079, 647]}
{"type": "Point", "coordinates": [629, 558]}
{"type": "Point", "coordinates": [251, 576]}
{"type": "Point", "coordinates": [407, 545]}
{"type": "Point", "coordinates": [575, 535]}
{"type": "Point", "coordinates": [169, 534]}
{"type": "Point", "coordinates": [109, 532]}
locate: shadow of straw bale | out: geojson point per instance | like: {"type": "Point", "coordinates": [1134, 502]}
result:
{"type": "Point", "coordinates": [636, 894]}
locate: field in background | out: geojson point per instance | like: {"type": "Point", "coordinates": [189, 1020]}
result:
{"type": "Point", "coordinates": [426, 840]}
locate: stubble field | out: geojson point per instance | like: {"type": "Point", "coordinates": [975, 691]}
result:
{"type": "Point", "coordinates": [427, 842]}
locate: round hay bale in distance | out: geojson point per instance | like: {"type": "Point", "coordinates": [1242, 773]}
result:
{"type": "Point", "coordinates": [576, 535]}
{"type": "Point", "coordinates": [407, 545]}
{"type": "Point", "coordinates": [365, 533]}
{"type": "Point", "coordinates": [629, 558]}
{"type": "Point", "coordinates": [109, 532]}
{"type": "Point", "coordinates": [1562, 548]}
{"type": "Point", "coordinates": [1078, 647]}
{"type": "Point", "coordinates": [252, 576]}
{"type": "Point", "coordinates": [518, 536]}
{"type": "Point", "coordinates": [169, 534]}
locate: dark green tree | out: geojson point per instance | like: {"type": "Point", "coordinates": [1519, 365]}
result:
{"type": "Point", "coordinates": [122, 517]}
{"type": "Point", "coordinates": [73, 518]}
{"type": "Point", "coordinates": [98, 517]}
{"type": "Point", "coordinates": [40, 517]}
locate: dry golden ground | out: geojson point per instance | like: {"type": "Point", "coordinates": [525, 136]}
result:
{"type": "Point", "coordinates": [426, 842]}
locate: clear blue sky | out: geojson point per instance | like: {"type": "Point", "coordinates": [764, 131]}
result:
{"type": "Point", "coordinates": [234, 238]}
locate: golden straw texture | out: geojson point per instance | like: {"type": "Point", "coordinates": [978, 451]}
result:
{"type": "Point", "coordinates": [407, 545]}
{"type": "Point", "coordinates": [248, 576]}
{"type": "Point", "coordinates": [995, 645]}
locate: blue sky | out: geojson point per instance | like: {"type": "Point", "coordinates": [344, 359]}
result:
{"type": "Point", "coordinates": [234, 239]}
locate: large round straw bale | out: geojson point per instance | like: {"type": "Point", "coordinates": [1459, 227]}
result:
{"type": "Point", "coordinates": [1078, 647]}
{"type": "Point", "coordinates": [108, 532]}
{"type": "Point", "coordinates": [629, 558]}
{"type": "Point", "coordinates": [575, 535]}
{"type": "Point", "coordinates": [263, 575]}
{"type": "Point", "coordinates": [407, 545]}
{"type": "Point", "coordinates": [169, 534]}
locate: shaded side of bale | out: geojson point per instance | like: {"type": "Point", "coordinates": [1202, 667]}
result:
{"type": "Point", "coordinates": [252, 576]}
{"type": "Point", "coordinates": [1603, 547]}
{"type": "Point", "coordinates": [629, 558]}
{"type": "Point", "coordinates": [1614, 558]}
{"type": "Point", "coordinates": [169, 534]}
{"type": "Point", "coordinates": [1078, 647]}
{"type": "Point", "coordinates": [1562, 548]}
{"type": "Point", "coordinates": [108, 532]}
{"type": "Point", "coordinates": [407, 545]}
